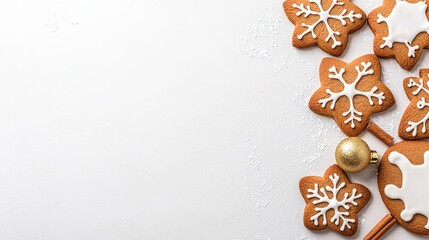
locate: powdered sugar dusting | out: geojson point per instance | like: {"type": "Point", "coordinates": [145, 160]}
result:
{"type": "Point", "coordinates": [263, 37]}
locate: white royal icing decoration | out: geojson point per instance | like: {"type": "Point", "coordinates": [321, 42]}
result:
{"type": "Point", "coordinates": [333, 203]}
{"type": "Point", "coordinates": [405, 22]}
{"type": "Point", "coordinates": [324, 15]}
{"type": "Point", "coordinates": [350, 92]}
{"type": "Point", "coordinates": [422, 104]}
{"type": "Point", "coordinates": [414, 191]}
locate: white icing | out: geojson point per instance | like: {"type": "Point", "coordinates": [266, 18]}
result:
{"type": "Point", "coordinates": [350, 92]}
{"type": "Point", "coordinates": [333, 203]}
{"type": "Point", "coordinates": [324, 15]}
{"type": "Point", "coordinates": [405, 22]}
{"type": "Point", "coordinates": [421, 105]}
{"type": "Point", "coordinates": [414, 191]}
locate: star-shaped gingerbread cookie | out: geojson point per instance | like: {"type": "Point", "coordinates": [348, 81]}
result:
{"type": "Point", "coordinates": [325, 23]}
{"type": "Point", "coordinates": [351, 93]}
{"type": "Point", "coordinates": [415, 117]}
{"type": "Point", "coordinates": [401, 30]}
{"type": "Point", "coordinates": [333, 201]}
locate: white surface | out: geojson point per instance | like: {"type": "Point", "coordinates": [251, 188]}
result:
{"type": "Point", "coordinates": [166, 120]}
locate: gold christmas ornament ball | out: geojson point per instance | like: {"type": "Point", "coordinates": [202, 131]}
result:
{"type": "Point", "coordinates": [354, 155]}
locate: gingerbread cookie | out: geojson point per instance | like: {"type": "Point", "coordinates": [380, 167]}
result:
{"type": "Point", "coordinates": [333, 201]}
{"type": "Point", "coordinates": [413, 122]}
{"type": "Point", "coordinates": [401, 30]}
{"type": "Point", "coordinates": [351, 93]}
{"type": "Point", "coordinates": [402, 181]}
{"type": "Point", "coordinates": [325, 23]}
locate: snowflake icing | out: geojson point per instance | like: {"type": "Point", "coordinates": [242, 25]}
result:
{"type": "Point", "coordinates": [403, 26]}
{"type": "Point", "coordinates": [350, 92]}
{"type": "Point", "coordinates": [413, 126]}
{"type": "Point", "coordinates": [324, 15]}
{"type": "Point", "coordinates": [414, 191]}
{"type": "Point", "coordinates": [333, 203]}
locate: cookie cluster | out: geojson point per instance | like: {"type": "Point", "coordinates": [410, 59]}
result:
{"type": "Point", "coordinates": [351, 93]}
{"type": "Point", "coordinates": [400, 27]}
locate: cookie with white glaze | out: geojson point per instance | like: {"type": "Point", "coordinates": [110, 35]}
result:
{"type": "Point", "coordinates": [402, 181]}
{"type": "Point", "coordinates": [333, 201]}
{"type": "Point", "coordinates": [351, 93]}
{"type": "Point", "coordinates": [325, 23]}
{"type": "Point", "coordinates": [401, 30]}
{"type": "Point", "coordinates": [416, 116]}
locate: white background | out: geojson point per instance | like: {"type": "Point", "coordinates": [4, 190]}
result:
{"type": "Point", "coordinates": [182, 119]}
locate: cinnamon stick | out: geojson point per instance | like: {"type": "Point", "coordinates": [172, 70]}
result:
{"type": "Point", "coordinates": [381, 228]}
{"type": "Point", "coordinates": [380, 134]}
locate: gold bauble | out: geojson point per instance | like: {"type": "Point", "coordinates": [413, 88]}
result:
{"type": "Point", "coordinates": [353, 155]}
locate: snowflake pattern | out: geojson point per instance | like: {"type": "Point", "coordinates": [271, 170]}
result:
{"type": "Point", "coordinates": [403, 26]}
{"type": "Point", "coordinates": [350, 92]}
{"type": "Point", "coordinates": [324, 16]}
{"type": "Point", "coordinates": [421, 105]}
{"type": "Point", "coordinates": [333, 203]}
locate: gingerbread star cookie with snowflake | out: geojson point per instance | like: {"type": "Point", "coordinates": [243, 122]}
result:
{"type": "Point", "coordinates": [351, 93]}
{"type": "Point", "coordinates": [416, 116]}
{"type": "Point", "coordinates": [333, 201]}
{"type": "Point", "coordinates": [325, 23]}
{"type": "Point", "coordinates": [401, 30]}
